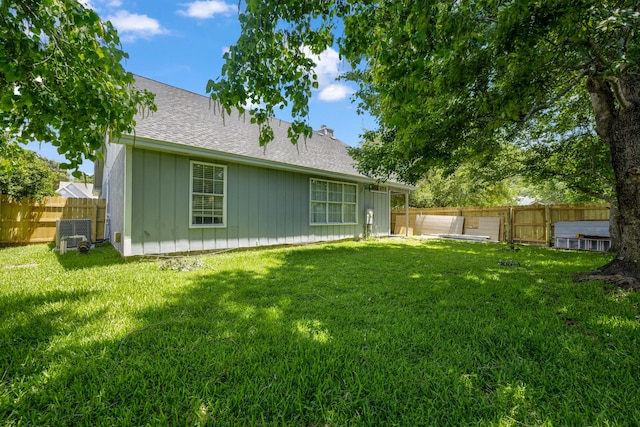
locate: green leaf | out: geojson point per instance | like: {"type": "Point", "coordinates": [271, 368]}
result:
{"type": "Point", "coordinates": [65, 41]}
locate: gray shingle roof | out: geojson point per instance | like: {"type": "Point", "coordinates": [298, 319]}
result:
{"type": "Point", "coordinates": [190, 119]}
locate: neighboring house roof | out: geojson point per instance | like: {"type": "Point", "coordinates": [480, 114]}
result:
{"type": "Point", "coordinates": [78, 190]}
{"type": "Point", "coordinates": [190, 123]}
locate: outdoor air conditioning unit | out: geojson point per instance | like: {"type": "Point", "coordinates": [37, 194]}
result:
{"type": "Point", "coordinates": [73, 231]}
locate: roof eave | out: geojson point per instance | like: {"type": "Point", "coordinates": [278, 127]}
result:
{"type": "Point", "coordinates": [189, 150]}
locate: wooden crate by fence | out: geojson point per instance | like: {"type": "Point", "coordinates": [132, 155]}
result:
{"type": "Point", "coordinates": [29, 221]}
{"type": "Point", "coordinates": [526, 224]}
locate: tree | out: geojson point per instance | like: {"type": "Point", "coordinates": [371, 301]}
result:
{"type": "Point", "coordinates": [574, 171]}
{"type": "Point", "coordinates": [25, 174]}
{"type": "Point", "coordinates": [61, 80]}
{"type": "Point", "coordinates": [561, 147]}
{"type": "Point", "coordinates": [463, 187]}
{"type": "Point", "coordinates": [454, 79]}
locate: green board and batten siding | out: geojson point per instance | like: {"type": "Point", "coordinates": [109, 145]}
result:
{"type": "Point", "coordinates": [379, 201]}
{"type": "Point", "coordinates": [264, 207]}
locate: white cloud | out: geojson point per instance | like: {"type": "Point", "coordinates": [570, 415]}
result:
{"type": "Point", "coordinates": [335, 92]}
{"type": "Point", "coordinates": [130, 26]}
{"type": "Point", "coordinates": [250, 105]}
{"type": "Point", "coordinates": [327, 66]}
{"type": "Point", "coordinates": [133, 26]}
{"type": "Point", "coordinates": [206, 9]}
{"type": "Point", "coordinates": [95, 4]}
{"type": "Point", "coordinates": [327, 69]}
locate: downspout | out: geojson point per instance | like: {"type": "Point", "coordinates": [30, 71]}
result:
{"type": "Point", "coordinates": [128, 202]}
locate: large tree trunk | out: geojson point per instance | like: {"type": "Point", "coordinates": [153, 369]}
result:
{"type": "Point", "coordinates": [616, 104]}
{"type": "Point", "coordinates": [614, 228]}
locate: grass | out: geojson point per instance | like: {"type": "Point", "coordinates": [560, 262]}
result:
{"type": "Point", "coordinates": [394, 332]}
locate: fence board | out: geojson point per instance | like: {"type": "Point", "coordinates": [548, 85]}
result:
{"type": "Point", "coordinates": [30, 221]}
{"type": "Point", "coordinates": [526, 224]}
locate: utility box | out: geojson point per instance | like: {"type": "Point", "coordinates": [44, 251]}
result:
{"type": "Point", "coordinates": [73, 231]}
{"type": "Point", "coordinates": [369, 217]}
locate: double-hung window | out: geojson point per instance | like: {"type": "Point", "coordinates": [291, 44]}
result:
{"type": "Point", "coordinates": [333, 202]}
{"type": "Point", "coordinates": [208, 203]}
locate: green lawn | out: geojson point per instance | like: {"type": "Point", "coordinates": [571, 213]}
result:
{"type": "Point", "coordinates": [393, 332]}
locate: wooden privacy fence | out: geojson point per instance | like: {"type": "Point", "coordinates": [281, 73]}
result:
{"type": "Point", "coordinates": [29, 221]}
{"type": "Point", "coordinates": [521, 224]}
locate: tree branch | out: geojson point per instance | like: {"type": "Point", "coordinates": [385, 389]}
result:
{"type": "Point", "coordinates": [602, 100]}
{"type": "Point", "coordinates": [553, 100]}
{"type": "Point", "coordinates": [615, 84]}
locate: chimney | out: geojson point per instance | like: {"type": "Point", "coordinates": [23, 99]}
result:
{"type": "Point", "coordinates": [325, 131]}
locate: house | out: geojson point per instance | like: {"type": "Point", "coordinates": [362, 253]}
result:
{"type": "Point", "coordinates": [76, 190]}
{"type": "Point", "coordinates": [191, 179]}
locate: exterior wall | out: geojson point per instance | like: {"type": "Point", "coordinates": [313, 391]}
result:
{"type": "Point", "coordinates": [264, 207]}
{"type": "Point", "coordinates": [114, 190]}
{"type": "Point", "coordinates": [379, 202]}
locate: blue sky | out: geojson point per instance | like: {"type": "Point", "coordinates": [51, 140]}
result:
{"type": "Point", "coordinates": [181, 43]}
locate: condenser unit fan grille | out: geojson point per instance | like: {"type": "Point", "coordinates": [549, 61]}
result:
{"type": "Point", "coordinates": [74, 231]}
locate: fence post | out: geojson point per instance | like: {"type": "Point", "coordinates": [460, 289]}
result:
{"type": "Point", "coordinates": [547, 225]}
{"type": "Point", "coordinates": [406, 215]}
{"type": "Point", "coordinates": [510, 224]}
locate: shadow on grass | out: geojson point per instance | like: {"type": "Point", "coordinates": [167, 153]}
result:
{"type": "Point", "coordinates": [29, 325]}
{"type": "Point", "coordinates": [99, 256]}
{"type": "Point", "coordinates": [359, 334]}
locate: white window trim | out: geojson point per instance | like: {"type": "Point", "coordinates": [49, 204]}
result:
{"type": "Point", "coordinates": [225, 195]}
{"type": "Point", "coordinates": [311, 222]}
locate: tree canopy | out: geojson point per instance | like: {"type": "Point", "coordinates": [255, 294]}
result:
{"type": "Point", "coordinates": [448, 78]}
{"type": "Point", "coordinates": [61, 78]}
{"type": "Point", "coordinates": [25, 174]}
{"type": "Point", "coordinates": [575, 171]}
{"type": "Point", "coordinates": [463, 187]}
